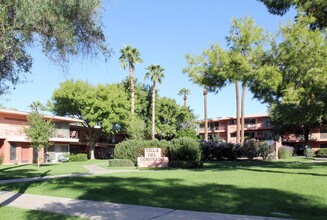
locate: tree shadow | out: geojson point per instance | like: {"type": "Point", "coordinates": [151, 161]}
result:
{"type": "Point", "coordinates": [175, 194]}
{"type": "Point", "coordinates": [20, 188]}
{"type": "Point", "coordinates": [282, 172]}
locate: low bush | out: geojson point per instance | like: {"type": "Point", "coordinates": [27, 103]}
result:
{"type": "Point", "coordinates": [251, 149]}
{"type": "Point", "coordinates": [121, 163]}
{"type": "Point", "coordinates": [1, 160]}
{"type": "Point", "coordinates": [185, 164]}
{"type": "Point", "coordinates": [215, 150]}
{"type": "Point", "coordinates": [309, 153]}
{"type": "Point", "coordinates": [322, 152]}
{"type": "Point", "coordinates": [185, 149]}
{"type": "Point", "coordinates": [285, 152]}
{"type": "Point", "coordinates": [131, 149]}
{"type": "Point", "coordinates": [77, 157]}
{"type": "Point", "coordinates": [265, 149]}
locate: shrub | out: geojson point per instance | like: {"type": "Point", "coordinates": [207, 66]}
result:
{"type": "Point", "coordinates": [131, 149]}
{"type": "Point", "coordinates": [264, 149]}
{"type": "Point", "coordinates": [1, 159]}
{"type": "Point", "coordinates": [309, 153]}
{"type": "Point", "coordinates": [215, 150]}
{"type": "Point", "coordinates": [185, 164]}
{"type": "Point", "coordinates": [251, 149]}
{"type": "Point", "coordinates": [77, 157]}
{"type": "Point", "coordinates": [322, 152]}
{"type": "Point", "coordinates": [285, 152]}
{"type": "Point", "coordinates": [121, 163]}
{"type": "Point", "coordinates": [185, 149]}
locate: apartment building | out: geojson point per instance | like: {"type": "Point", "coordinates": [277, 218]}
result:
{"type": "Point", "coordinates": [260, 127]}
{"type": "Point", "coordinates": [255, 126]}
{"type": "Point", "coordinates": [15, 147]}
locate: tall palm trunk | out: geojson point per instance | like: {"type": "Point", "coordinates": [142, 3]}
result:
{"type": "Point", "coordinates": [153, 110]}
{"type": "Point", "coordinates": [242, 112]}
{"type": "Point", "coordinates": [237, 112]}
{"type": "Point", "coordinates": [185, 98]}
{"type": "Point", "coordinates": [205, 93]}
{"type": "Point", "coordinates": [131, 79]}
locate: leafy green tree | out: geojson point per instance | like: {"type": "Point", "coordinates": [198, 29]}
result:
{"type": "Point", "coordinates": [316, 9]}
{"type": "Point", "coordinates": [184, 92]}
{"type": "Point", "coordinates": [216, 67]}
{"type": "Point", "coordinates": [297, 66]}
{"type": "Point", "coordinates": [62, 28]}
{"type": "Point", "coordinates": [155, 73]}
{"type": "Point", "coordinates": [129, 57]}
{"type": "Point", "coordinates": [100, 107]}
{"type": "Point", "coordinates": [111, 107]}
{"type": "Point", "coordinates": [39, 131]}
{"type": "Point", "coordinates": [77, 98]}
{"type": "Point", "coordinates": [203, 72]}
{"type": "Point", "coordinates": [186, 123]}
{"type": "Point", "coordinates": [136, 129]}
{"type": "Point", "coordinates": [246, 44]}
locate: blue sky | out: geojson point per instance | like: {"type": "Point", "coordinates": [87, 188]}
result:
{"type": "Point", "coordinates": [163, 31]}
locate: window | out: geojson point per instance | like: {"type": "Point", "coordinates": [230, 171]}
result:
{"type": "Point", "coordinates": [251, 121]}
{"type": "Point", "coordinates": [12, 151]}
{"type": "Point", "coordinates": [233, 134]}
{"type": "Point", "coordinates": [232, 122]}
{"type": "Point", "coordinates": [323, 145]}
{"type": "Point", "coordinates": [213, 125]}
{"type": "Point", "coordinates": [267, 122]}
{"type": "Point", "coordinates": [249, 135]}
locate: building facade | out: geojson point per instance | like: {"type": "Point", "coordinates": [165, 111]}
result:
{"type": "Point", "coordinates": [224, 129]}
{"type": "Point", "coordinates": [259, 127]}
{"type": "Point", "coordinates": [15, 147]}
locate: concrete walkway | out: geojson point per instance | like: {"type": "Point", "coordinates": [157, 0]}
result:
{"type": "Point", "coordinates": [107, 210]}
{"type": "Point", "coordinates": [93, 169]}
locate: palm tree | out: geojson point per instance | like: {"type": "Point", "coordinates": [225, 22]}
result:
{"type": "Point", "coordinates": [205, 93]}
{"type": "Point", "coordinates": [36, 106]}
{"type": "Point", "coordinates": [130, 56]}
{"type": "Point", "coordinates": [155, 73]}
{"type": "Point", "coordinates": [184, 92]}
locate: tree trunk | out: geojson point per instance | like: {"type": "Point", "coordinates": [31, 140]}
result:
{"type": "Point", "coordinates": [38, 157]}
{"type": "Point", "coordinates": [242, 112]}
{"type": "Point", "coordinates": [185, 98]}
{"type": "Point", "coordinates": [237, 112]}
{"type": "Point", "coordinates": [91, 152]}
{"type": "Point", "coordinates": [91, 142]}
{"type": "Point", "coordinates": [131, 79]}
{"type": "Point", "coordinates": [306, 136]}
{"type": "Point", "coordinates": [153, 110]}
{"type": "Point", "coordinates": [205, 93]}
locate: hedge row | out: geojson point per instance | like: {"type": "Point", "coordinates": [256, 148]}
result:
{"type": "Point", "coordinates": [121, 163]}
{"type": "Point", "coordinates": [131, 149]}
{"type": "Point", "coordinates": [285, 152]}
{"type": "Point", "coordinates": [181, 149]}
{"type": "Point", "coordinates": [216, 150]}
{"type": "Point", "coordinates": [322, 152]}
{"type": "Point", "coordinates": [77, 157]}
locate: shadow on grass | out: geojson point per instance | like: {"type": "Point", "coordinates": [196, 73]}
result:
{"type": "Point", "coordinates": [234, 165]}
{"type": "Point", "coordinates": [175, 194]}
{"type": "Point", "coordinates": [12, 167]}
{"type": "Point", "coordinates": [24, 171]}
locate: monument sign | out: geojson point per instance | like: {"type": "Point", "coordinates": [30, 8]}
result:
{"type": "Point", "coordinates": [152, 158]}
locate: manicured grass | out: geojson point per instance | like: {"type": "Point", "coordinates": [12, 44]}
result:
{"type": "Point", "coordinates": [49, 169]}
{"type": "Point", "coordinates": [296, 187]}
{"type": "Point", "coordinates": [25, 214]}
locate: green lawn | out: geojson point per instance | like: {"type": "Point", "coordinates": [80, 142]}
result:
{"type": "Point", "coordinates": [24, 214]}
{"type": "Point", "coordinates": [294, 187]}
{"type": "Point", "coordinates": [49, 169]}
